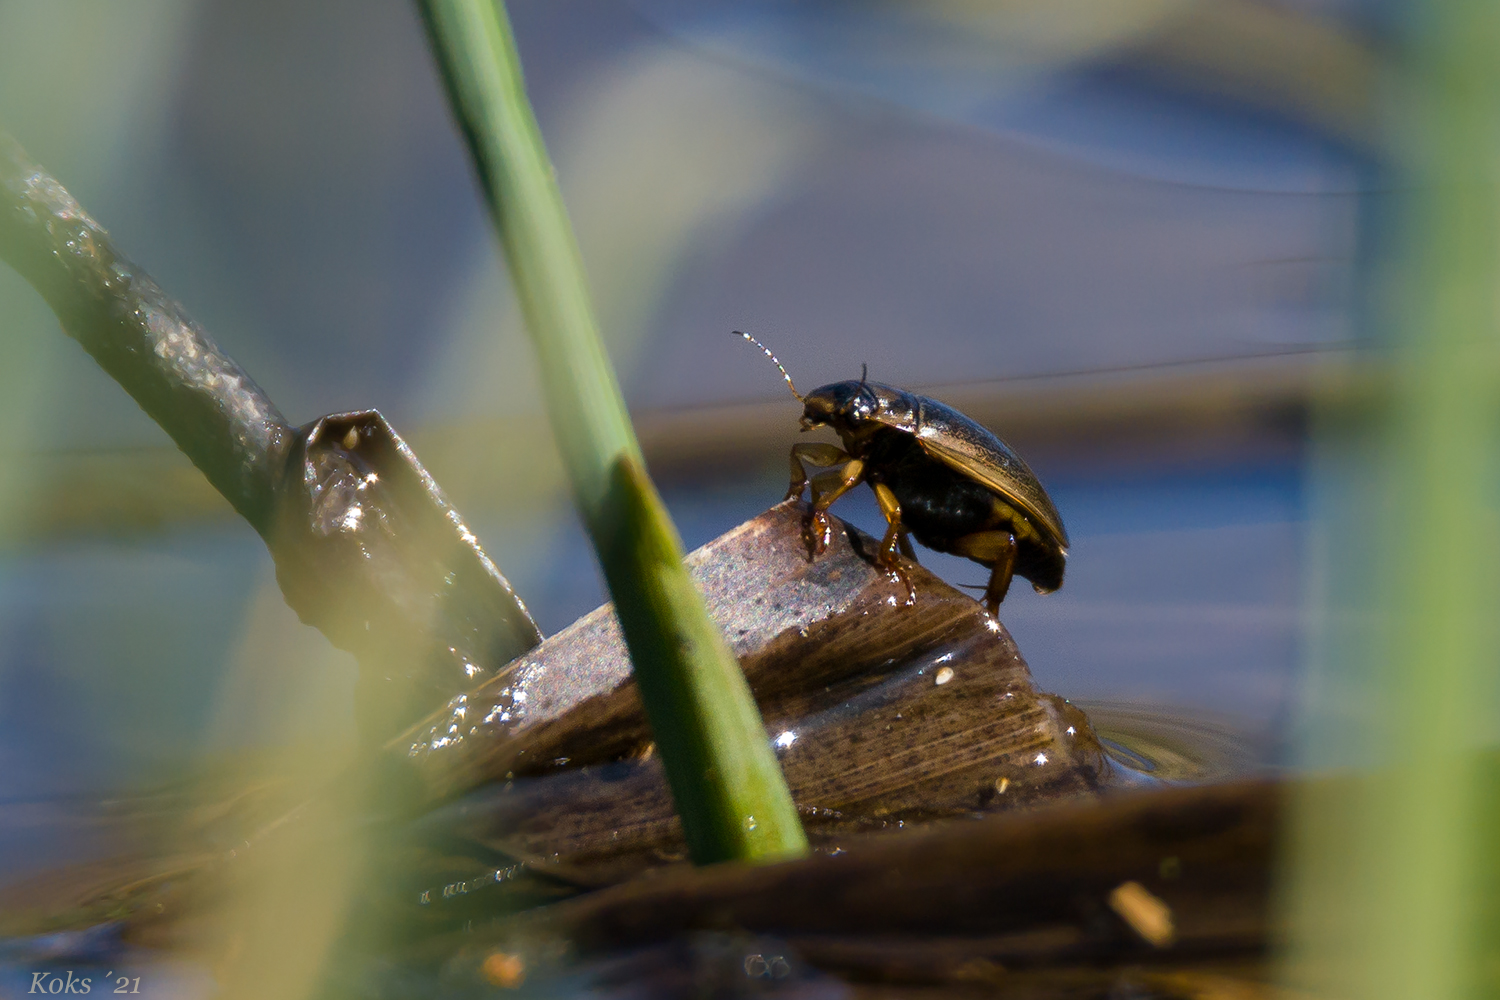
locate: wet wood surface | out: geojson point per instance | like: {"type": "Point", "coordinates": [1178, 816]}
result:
{"type": "Point", "coordinates": [820, 640]}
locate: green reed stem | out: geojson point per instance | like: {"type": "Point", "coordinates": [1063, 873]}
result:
{"type": "Point", "coordinates": [1442, 462]}
{"type": "Point", "coordinates": [1390, 884]}
{"type": "Point", "coordinates": [727, 785]}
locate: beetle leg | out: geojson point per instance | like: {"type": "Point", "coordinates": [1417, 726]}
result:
{"type": "Point", "coordinates": [906, 549]}
{"type": "Point", "coordinates": [998, 549]}
{"type": "Point", "coordinates": [816, 454]}
{"type": "Point", "coordinates": [817, 531]}
{"type": "Point", "coordinates": [895, 536]}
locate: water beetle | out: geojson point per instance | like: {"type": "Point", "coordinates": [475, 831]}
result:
{"type": "Point", "coordinates": [937, 475]}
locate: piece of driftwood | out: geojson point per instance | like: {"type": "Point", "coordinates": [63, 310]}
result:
{"type": "Point", "coordinates": [884, 716]}
{"type": "Point", "coordinates": [821, 641]}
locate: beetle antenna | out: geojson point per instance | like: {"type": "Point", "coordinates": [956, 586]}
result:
{"type": "Point", "coordinates": [864, 373]}
{"type": "Point", "coordinates": [767, 351]}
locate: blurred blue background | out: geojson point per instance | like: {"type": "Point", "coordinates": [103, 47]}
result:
{"type": "Point", "coordinates": [1126, 242]}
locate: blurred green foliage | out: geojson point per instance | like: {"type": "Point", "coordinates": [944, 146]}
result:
{"type": "Point", "coordinates": [1388, 885]}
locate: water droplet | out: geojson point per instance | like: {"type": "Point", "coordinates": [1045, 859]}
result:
{"type": "Point", "coordinates": [943, 676]}
{"type": "Point", "coordinates": [750, 823]}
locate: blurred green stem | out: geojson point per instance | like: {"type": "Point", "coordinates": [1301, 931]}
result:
{"type": "Point", "coordinates": [727, 785]}
{"type": "Point", "coordinates": [1441, 553]}
{"type": "Point", "coordinates": [1387, 883]}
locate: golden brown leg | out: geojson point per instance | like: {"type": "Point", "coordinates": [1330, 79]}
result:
{"type": "Point", "coordinates": [895, 536]}
{"type": "Point", "coordinates": [997, 548]}
{"type": "Point", "coordinates": [818, 529]}
{"type": "Point", "coordinates": [814, 454]}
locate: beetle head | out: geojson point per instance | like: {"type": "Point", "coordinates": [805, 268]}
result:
{"type": "Point", "coordinates": [844, 406]}
{"type": "Point", "coordinates": [853, 409]}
